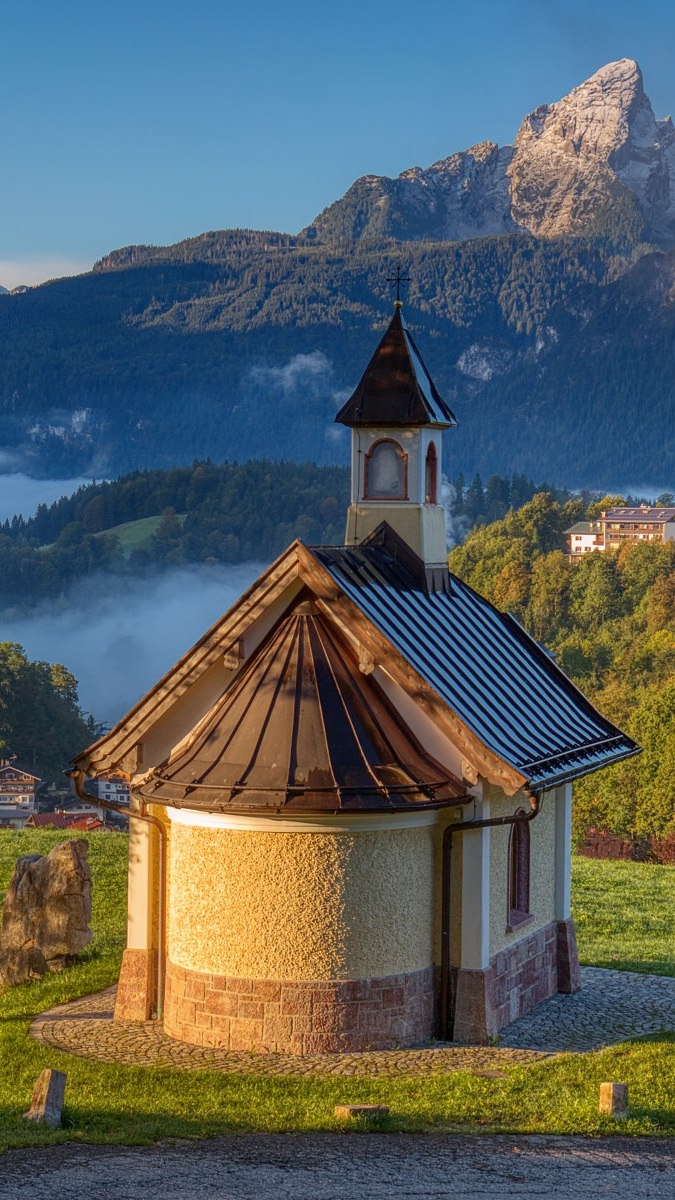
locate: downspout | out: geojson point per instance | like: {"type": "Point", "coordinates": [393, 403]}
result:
{"type": "Point", "coordinates": [78, 778]}
{"type": "Point", "coordinates": [463, 827]}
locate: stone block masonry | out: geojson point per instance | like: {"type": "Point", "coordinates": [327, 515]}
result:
{"type": "Point", "coordinates": [517, 980]}
{"type": "Point", "coordinates": [525, 975]}
{"type": "Point", "coordinates": [291, 1017]}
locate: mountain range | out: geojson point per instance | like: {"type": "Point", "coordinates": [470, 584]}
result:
{"type": "Point", "coordinates": [571, 166]}
{"type": "Point", "coordinates": [542, 295]}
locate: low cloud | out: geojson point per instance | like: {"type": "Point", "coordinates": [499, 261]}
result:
{"type": "Point", "coordinates": [648, 490]}
{"type": "Point", "coordinates": [20, 495]}
{"type": "Point", "coordinates": [456, 528]}
{"type": "Point", "coordinates": [311, 377]}
{"type": "Point", "coordinates": [119, 636]}
{"type": "Point", "coordinates": [301, 370]}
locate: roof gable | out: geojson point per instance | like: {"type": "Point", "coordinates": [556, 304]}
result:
{"type": "Point", "coordinates": [302, 729]}
{"type": "Point", "coordinates": [474, 670]}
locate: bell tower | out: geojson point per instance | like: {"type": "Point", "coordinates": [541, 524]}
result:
{"type": "Point", "coordinates": [397, 417]}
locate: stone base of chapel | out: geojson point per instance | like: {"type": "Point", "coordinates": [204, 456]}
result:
{"type": "Point", "coordinates": [298, 1017]}
{"type": "Point", "coordinates": [516, 981]}
{"type": "Point", "coordinates": [136, 991]}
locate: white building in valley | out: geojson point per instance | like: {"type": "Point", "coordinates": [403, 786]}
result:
{"type": "Point", "coordinates": [615, 526]}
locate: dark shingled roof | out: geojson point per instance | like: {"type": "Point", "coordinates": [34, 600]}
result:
{"type": "Point", "coordinates": [396, 388]}
{"type": "Point", "coordinates": [302, 729]}
{"type": "Point", "coordinates": [650, 515]}
{"type": "Point", "coordinates": [483, 664]}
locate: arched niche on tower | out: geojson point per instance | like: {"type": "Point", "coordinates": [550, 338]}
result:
{"type": "Point", "coordinates": [386, 471]}
{"type": "Point", "coordinates": [431, 475]}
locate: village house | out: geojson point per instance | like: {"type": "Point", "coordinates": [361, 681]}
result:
{"type": "Point", "coordinates": [583, 537]}
{"type": "Point", "coordinates": [81, 808]}
{"type": "Point", "coordinates": [615, 526]}
{"type": "Point", "coordinates": [18, 791]}
{"type": "Point", "coordinates": [112, 786]}
{"type": "Point", "coordinates": [351, 799]}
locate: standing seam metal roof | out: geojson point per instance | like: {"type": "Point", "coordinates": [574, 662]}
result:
{"type": "Point", "coordinates": [484, 665]}
{"type": "Point", "coordinates": [301, 728]}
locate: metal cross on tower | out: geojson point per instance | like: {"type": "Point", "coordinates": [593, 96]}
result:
{"type": "Point", "coordinates": [398, 279]}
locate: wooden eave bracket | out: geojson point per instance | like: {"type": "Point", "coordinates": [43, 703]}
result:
{"type": "Point", "coordinates": [234, 655]}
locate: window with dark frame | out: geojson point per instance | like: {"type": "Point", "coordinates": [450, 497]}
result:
{"type": "Point", "coordinates": [519, 875]}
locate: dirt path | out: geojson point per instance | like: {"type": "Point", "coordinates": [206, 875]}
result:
{"type": "Point", "coordinates": [342, 1167]}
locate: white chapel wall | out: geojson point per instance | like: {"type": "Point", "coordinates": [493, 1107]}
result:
{"type": "Point", "coordinates": [542, 869]}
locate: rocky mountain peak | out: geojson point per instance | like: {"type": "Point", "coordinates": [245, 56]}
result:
{"type": "Point", "coordinates": [574, 158]}
{"type": "Point", "coordinates": [598, 154]}
{"type": "Point", "coordinates": [596, 118]}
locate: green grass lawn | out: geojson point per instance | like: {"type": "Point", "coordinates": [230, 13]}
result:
{"type": "Point", "coordinates": [130, 1105]}
{"type": "Point", "coordinates": [625, 915]}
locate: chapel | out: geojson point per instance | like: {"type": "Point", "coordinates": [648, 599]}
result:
{"type": "Point", "coordinates": [351, 799]}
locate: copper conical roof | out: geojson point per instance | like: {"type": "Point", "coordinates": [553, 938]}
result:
{"type": "Point", "coordinates": [302, 729]}
{"type": "Point", "coordinates": [396, 388]}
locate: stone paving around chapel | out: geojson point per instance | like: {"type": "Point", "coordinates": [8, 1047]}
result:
{"type": "Point", "coordinates": [611, 1007]}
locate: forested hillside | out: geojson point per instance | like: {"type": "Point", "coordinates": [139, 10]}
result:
{"type": "Point", "coordinates": [610, 620]}
{"type": "Point", "coordinates": [230, 513]}
{"type": "Point", "coordinates": [242, 345]}
{"type": "Point", "coordinates": [40, 719]}
{"type": "Point", "coordinates": [149, 520]}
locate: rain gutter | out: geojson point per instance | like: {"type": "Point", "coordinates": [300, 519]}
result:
{"type": "Point", "coordinates": [518, 818]}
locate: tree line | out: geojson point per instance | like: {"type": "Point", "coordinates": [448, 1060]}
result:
{"type": "Point", "coordinates": [227, 513]}
{"type": "Point", "coordinates": [41, 723]}
{"type": "Point", "coordinates": [610, 621]}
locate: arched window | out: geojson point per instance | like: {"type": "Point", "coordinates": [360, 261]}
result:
{"type": "Point", "coordinates": [519, 874]}
{"type": "Point", "coordinates": [431, 476]}
{"type": "Point", "coordinates": [386, 471]}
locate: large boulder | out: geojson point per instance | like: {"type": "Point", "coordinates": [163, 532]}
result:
{"type": "Point", "coordinates": [46, 914]}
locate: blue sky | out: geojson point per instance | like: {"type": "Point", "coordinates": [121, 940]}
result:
{"type": "Point", "coordinates": [151, 121]}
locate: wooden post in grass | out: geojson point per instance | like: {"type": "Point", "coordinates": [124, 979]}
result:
{"type": "Point", "coordinates": [613, 1099]}
{"type": "Point", "coordinates": [343, 1111]}
{"type": "Point", "coordinates": [47, 1103]}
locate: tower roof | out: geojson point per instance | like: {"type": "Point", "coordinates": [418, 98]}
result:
{"type": "Point", "coordinates": [396, 388]}
{"type": "Point", "coordinates": [302, 729]}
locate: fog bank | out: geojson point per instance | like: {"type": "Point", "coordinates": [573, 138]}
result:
{"type": "Point", "coordinates": [20, 495]}
{"type": "Point", "coordinates": [118, 637]}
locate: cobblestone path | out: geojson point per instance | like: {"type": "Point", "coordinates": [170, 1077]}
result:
{"type": "Point", "coordinates": [611, 1007]}
{"type": "Point", "coordinates": [85, 1027]}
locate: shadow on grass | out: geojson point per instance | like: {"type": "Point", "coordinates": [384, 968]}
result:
{"type": "Point", "coordinates": [663, 967]}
